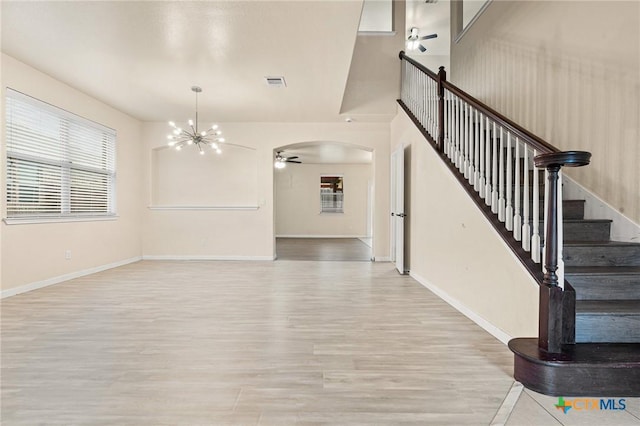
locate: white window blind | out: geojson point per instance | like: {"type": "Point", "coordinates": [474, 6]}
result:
{"type": "Point", "coordinates": [58, 163]}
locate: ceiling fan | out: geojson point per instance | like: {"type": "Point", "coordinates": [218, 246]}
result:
{"type": "Point", "coordinates": [413, 41]}
{"type": "Point", "coordinates": [281, 160]}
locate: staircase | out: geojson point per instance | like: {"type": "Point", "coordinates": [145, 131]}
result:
{"type": "Point", "coordinates": [589, 318]}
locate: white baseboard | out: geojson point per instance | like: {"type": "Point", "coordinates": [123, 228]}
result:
{"type": "Point", "coordinates": [55, 280]}
{"type": "Point", "coordinates": [200, 257]}
{"type": "Point", "coordinates": [319, 236]}
{"type": "Point", "coordinates": [622, 228]}
{"type": "Point", "coordinates": [463, 309]}
{"type": "Point", "coordinates": [382, 259]}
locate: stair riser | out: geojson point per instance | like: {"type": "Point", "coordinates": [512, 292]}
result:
{"type": "Point", "coordinates": [607, 328]}
{"type": "Point", "coordinates": [602, 255]}
{"type": "Point", "coordinates": [605, 287]}
{"type": "Point", "coordinates": [584, 231]}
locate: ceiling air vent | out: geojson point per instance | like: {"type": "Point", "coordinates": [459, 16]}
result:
{"type": "Point", "coordinates": [275, 81]}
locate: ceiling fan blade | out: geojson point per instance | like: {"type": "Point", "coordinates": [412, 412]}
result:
{"type": "Point", "coordinates": [422, 48]}
{"type": "Point", "coordinates": [293, 157]}
{"type": "Point", "coordinates": [427, 37]}
{"type": "Point", "coordinates": [294, 161]}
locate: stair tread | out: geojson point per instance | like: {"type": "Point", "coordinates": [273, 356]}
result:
{"type": "Point", "coordinates": [602, 270]}
{"type": "Point", "coordinates": [565, 220]}
{"type": "Point", "coordinates": [601, 243]}
{"type": "Point", "coordinates": [607, 307]}
{"type": "Point", "coordinates": [580, 353]}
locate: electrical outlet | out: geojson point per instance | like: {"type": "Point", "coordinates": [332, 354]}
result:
{"type": "Point", "coordinates": [67, 254]}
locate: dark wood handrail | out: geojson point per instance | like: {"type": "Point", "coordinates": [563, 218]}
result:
{"type": "Point", "coordinates": [534, 141]}
{"type": "Point", "coordinates": [556, 326]}
{"type": "Point", "coordinates": [418, 65]}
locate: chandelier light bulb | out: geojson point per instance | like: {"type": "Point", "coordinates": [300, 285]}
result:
{"type": "Point", "coordinates": [190, 122]}
{"type": "Point", "coordinates": [176, 132]}
{"type": "Point", "coordinates": [178, 148]}
{"type": "Point", "coordinates": [201, 152]}
{"type": "Point", "coordinates": [172, 124]}
{"type": "Point", "coordinates": [220, 139]}
{"type": "Point", "coordinates": [190, 142]}
{"type": "Point", "coordinates": [172, 143]}
{"type": "Point", "coordinates": [218, 151]}
{"type": "Point", "coordinates": [203, 133]}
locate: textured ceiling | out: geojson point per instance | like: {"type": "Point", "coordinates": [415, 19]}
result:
{"type": "Point", "coordinates": [143, 57]}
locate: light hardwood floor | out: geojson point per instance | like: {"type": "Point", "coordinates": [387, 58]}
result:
{"type": "Point", "coordinates": [161, 342]}
{"type": "Point", "coordinates": [246, 343]}
{"type": "Point", "coordinates": [330, 249]}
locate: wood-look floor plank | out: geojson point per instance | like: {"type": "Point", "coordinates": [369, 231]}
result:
{"type": "Point", "coordinates": [164, 342]}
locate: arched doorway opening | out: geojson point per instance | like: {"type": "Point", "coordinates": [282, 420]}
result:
{"type": "Point", "coordinates": [323, 198]}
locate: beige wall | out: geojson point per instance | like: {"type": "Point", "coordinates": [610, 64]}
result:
{"type": "Point", "coordinates": [569, 72]}
{"type": "Point", "coordinates": [455, 250]}
{"type": "Point", "coordinates": [298, 200]}
{"type": "Point", "coordinates": [219, 233]}
{"type": "Point", "coordinates": [34, 253]}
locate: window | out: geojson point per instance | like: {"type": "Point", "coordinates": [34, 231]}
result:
{"type": "Point", "coordinates": [331, 194]}
{"type": "Point", "coordinates": [59, 165]}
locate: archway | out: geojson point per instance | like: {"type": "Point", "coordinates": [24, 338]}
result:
{"type": "Point", "coordinates": [323, 201]}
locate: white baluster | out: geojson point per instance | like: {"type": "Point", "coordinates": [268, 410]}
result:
{"type": "Point", "coordinates": [535, 234]}
{"type": "Point", "coordinates": [434, 108]}
{"type": "Point", "coordinates": [501, 200]}
{"type": "Point", "coordinates": [508, 212]}
{"type": "Point", "coordinates": [424, 113]}
{"type": "Point", "coordinates": [460, 137]}
{"type": "Point", "coordinates": [425, 106]}
{"type": "Point", "coordinates": [449, 126]}
{"type": "Point", "coordinates": [465, 152]}
{"type": "Point", "coordinates": [546, 215]}
{"type": "Point", "coordinates": [471, 172]}
{"type": "Point", "coordinates": [517, 219]}
{"type": "Point", "coordinates": [481, 182]}
{"type": "Point", "coordinates": [487, 159]}
{"type": "Point", "coordinates": [476, 152]}
{"type": "Point", "coordinates": [526, 229]}
{"type": "Point", "coordinates": [494, 172]}
{"type": "Point", "coordinates": [560, 234]}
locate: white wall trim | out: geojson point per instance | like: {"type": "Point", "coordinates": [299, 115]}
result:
{"type": "Point", "coordinates": [55, 280]}
{"type": "Point", "coordinates": [203, 257]}
{"type": "Point", "coordinates": [463, 309]}
{"type": "Point", "coordinates": [622, 228]}
{"type": "Point", "coordinates": [319, 236]}
{"type": "Point", "coordinates": [59, 219]}
{"type": "Point", "coordinates": [382, 259]}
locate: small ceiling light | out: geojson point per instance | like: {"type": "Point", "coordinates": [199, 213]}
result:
{"type": "Point", "coordinates": [348, 119]}
{"type": "Point", "coordinates": [180, 137]}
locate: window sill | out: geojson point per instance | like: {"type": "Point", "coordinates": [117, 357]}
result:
{"type": "Point", "coordinates": [203, 207]}
{"type": "Point", "coordinates": [39, 220]}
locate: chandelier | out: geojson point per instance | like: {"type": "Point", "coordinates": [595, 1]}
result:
{"type": "Point", "coordinates": [193, 136]}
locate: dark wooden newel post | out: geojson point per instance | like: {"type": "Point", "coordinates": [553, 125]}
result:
{"type": "Point", "coordinates": [556, 317]}
{"type": "Point", "coordinates": [442, 77]}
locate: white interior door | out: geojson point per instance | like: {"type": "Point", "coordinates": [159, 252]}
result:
{"type": "Point", "coordinates": [397, 209]}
